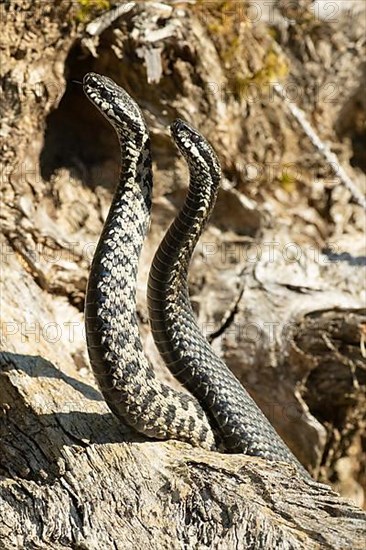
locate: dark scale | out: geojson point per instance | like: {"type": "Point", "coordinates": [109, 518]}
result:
{"type": "Point", "coordinates": [126, 378]}
{"type": "Point", "coordinates": [234, 416]}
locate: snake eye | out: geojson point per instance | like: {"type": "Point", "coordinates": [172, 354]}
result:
{"type": "Point", "coordinates": [195, 138]}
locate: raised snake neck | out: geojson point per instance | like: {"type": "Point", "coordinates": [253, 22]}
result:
{"type": "Point", "coordinates": [125, 377]}
{"type": "Point", "coordinates": [234, 416]}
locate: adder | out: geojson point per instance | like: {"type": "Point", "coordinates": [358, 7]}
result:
{"type": "Point", "coordinates": [219, 410]}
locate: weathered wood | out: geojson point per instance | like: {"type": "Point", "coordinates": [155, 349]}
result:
{"type": "Point", "coordinates": [72, 479]}
{"type": "Point", "coordinates": [285, 313]}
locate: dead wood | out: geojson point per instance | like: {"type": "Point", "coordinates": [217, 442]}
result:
{"type": "Point", "coordinates": [276, 281]}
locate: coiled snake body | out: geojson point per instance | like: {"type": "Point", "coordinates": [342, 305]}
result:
{"type": "Point", "coordinates": [223, 409]}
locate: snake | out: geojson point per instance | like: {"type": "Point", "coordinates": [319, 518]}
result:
{"type": "Point", "coordinates": [124, 374]}
{"type": "Point", "coordinates": [217, 412]}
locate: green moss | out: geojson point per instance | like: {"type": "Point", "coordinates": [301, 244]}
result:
{"type": "Point", "coordinates": [274, 68]}
{"type": "Point", "coordinates": [88, 9]}
{"type": "Point", "coordinates": [287, 181]}
{"type": "Point", "coordinates": [228, 23]}
{"type": "Point", "coordinates": [220, 17]}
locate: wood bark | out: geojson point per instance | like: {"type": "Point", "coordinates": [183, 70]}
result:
{"type": "Point", "coordinates": [276, 281]}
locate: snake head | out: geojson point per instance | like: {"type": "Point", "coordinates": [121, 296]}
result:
{"type": "Point", "coordinates": [116, 105]}
{"type": "Point", "coordinates": [196, 149]}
